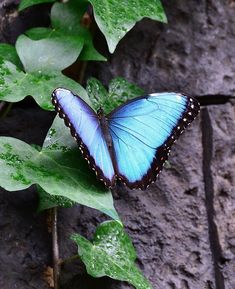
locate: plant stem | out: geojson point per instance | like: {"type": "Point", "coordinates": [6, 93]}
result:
{"type": "Point", "coordinates": [4, 108]}
{"type": "Point", "coordinates": [69, 260]}
{"type": "Point", "coordinates": [55, 247]}
{"type": "Point", "coordinates": [82, 70]}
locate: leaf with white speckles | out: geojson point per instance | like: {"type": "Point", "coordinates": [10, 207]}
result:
{"type": "Point", "coordinates": [8, 52]}
{"type": "Point", "coordinates": [15, 85]}
{"type": "Point", "coordinates": [59, 146]}
{"type": "Point", "coordinates": [120, 90]}
{"type": "Point", "coordinates": [111, 253]}
{"type": "Point", "coordinates": [58, 169]}
{"type": "Point", "coordinates": [116, 18]}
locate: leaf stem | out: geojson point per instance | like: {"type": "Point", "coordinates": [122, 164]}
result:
{"type": "Point", "coordinates": [55, 248]}
{"type": "Point", "coordinates": [5, 107]}
{"type": "Point", "coordinates": [82, 70]}
{"type": "Point", "coordinates": [69, 260]}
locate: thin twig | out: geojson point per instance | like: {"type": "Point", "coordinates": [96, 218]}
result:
{"type": "Point", "coordinates": [69, 260]}
{"type": "Point", "coordinates": [82, 70]}
{"type": "Point", "coordinates": [5, 107]}
{"type": "Point", "coordinates": [55, 248]}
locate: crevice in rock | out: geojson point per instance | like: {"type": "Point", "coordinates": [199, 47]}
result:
{"type": "Point", "coordinates": [207, 143]}
{"type": "Point", "coordinates": [211, 99]}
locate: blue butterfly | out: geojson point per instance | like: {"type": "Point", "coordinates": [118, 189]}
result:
{"type": "Point", "coordinates": [132, 142]}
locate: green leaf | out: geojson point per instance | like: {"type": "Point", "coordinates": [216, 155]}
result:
{"type": "Point", "coordinates": [47, 201]}
{"type": "Point", "coordinates": [39, 33]}
{"type": "Point", "coordinates": [66, 21]}
{"type": "Point", "coordinates": [116, 18]}
{"type": "Point", "coordinates": [15, 85]}
{"type": "Point", "coordinates": [97, 94]}
{"type": "Point", "coordinates": [8, 52]}
{"type": "Point", "coordinates": [27, 3]}
{"type": "Point", "coordinates": [50, 54]}
{"type": "Point", "coordinates": [111, 253]}
{"type": "Point", "coordinates": [56, 169]}
{"type": "Point", "coordinates": [120, 90]}
{"type": "Point", "coordinates": [66, 18]}
{"type": "Point", "coordinates": [88, 52]}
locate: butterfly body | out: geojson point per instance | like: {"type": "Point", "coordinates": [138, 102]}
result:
{"type": "Point", "coordinates": [107, 136]}
{"type": "Point", "coordinates": [104, 127]}
{"type": "Point", "coordinates": [133, 141]}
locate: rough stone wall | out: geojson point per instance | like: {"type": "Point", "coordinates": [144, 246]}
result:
{"type": "Point", "coordinates": [183, 226]}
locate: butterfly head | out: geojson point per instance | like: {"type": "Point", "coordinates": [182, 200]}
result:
{"type": "Point", "coordinates": [100, 113]}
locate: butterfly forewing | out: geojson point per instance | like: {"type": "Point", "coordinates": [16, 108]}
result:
{"type": "Point", "coordinates": [86, 129]}
{"type": "Point", "coordinates": [143, 131]}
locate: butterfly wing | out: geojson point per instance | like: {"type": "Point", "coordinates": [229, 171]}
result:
{"type": "Point", "coordinates": [143, 131]}
{"type": "Point", "coordinates": [85, 128]}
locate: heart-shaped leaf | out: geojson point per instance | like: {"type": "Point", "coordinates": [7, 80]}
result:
{"type": "Point", "coordinates": [57, 169]}
{"type": "Point", "coordinates": [111, 253]}
{"type": "Point", "coordinates": [16, 85]}
{"type": "Point", "coordinates": [116, 18]}
{"type": "Point", "coordinates": [67, 18]}
{"type": "Point", "coordinates": [50, 54]}
{"type": "Point", "coordinates": [66, 21]}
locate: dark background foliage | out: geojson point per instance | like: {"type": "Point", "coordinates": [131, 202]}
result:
{"type": "Point", "coordinates": [183, 226]}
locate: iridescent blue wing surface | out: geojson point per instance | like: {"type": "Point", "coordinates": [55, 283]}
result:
{"type": "Point", "coordinates": [85, 128]}
{"type": "Point", "coordinates": [143, 131]}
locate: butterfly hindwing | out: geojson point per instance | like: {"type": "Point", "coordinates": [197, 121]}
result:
{"type": "Point", "coordinates": [85, 128]}
{"type": "Point", "coordinates": [143, 131]}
